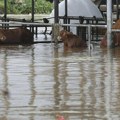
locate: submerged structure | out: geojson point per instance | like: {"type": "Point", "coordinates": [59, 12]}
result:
{"type": "Point", "coordinates": [72, 11]}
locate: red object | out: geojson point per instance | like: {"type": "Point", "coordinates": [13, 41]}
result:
{"type": "Point", "coordinates": [60, 118]}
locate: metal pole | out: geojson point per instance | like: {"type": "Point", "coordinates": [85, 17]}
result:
{"type": "Point", "coordinates": [32, 10]}
{"type": "Point", "coordinates": [109, 23]}
{"type": "Point", "coordinates": [66, 14]}
{"type": "Point", "coordinates": [32, 19]}
{"type": "Point", "coordinates": [5, 9]}
{"type": "Point", "coordinates": [66, 8]}
{"type": "Point", "coordinates": [5, 14]}
{"type": "Point", "coordinates": [56, 11]}
{"type": "Point", "coordinates": [56, 22]}
{"type": "Point", "coordinates": [117, 9]}
{"type": "Point", "coordinates": [89, 37]}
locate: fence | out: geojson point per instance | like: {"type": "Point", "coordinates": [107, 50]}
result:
{"type": "Point", "coordinates": [40, 24]}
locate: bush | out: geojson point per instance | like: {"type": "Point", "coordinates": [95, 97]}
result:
{"type": "Point", "coordinates": [41, 6]}
{"type": "Point", "coordinates": [1, 7]}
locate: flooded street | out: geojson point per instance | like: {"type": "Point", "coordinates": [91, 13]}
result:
{"type": "Point", "coordinates": [39, 81]}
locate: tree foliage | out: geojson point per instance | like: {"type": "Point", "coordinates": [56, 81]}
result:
{"type": "Point", "coordinates": [25, 6]}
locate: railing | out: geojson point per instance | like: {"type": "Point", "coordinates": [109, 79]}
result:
{"type": "Point", "coordinates": [88, 26]}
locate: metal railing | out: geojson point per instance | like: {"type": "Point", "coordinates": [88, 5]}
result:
{"type": "Point", "coordinates": [38, 24]}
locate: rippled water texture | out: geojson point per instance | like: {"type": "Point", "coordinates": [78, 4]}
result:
{"type": "Point", "coordinates": [39, 81]}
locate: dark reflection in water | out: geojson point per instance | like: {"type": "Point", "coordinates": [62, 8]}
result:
{"type": "Point", "coordinates": [39, 81]}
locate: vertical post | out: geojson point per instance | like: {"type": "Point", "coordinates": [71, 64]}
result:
{"type": "Point", "coordinates": [89, 37]}
{"type": "Point", "coordinates": [55, 33]}
{"type": "Point", "coordinates": [117, 8]}
{"type": "Point", "coordinates": [56, 22]}
{"type": "Point", "coordinates": [56, 11]}
{"type": "Point", "coordinates": [66, 8]}
{"type": "Point", "coordinates": [5, 9]}
{"type": "Point", "coordinates": [109, 23]}
{"type": "Point", "coordinates": [66, 14]}
{"type": "Point", "coordinates": [32, 19]}
{"type": "Point", "coordinates": [32, 11]}
{"type": "Point", "coordinates": [5, 14]}
{"type": "Point", "coordinates": [117, 4]}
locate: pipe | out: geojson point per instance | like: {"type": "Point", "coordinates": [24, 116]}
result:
{"type": "Point", "coordinates": [5, 9]}
{"type": "Point", "coordinates": [109, 23]}
{"type": "Point", "coordinates": [56, 11]}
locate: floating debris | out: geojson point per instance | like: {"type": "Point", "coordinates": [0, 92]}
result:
{"type": "Point", "coordinates": [59, 117]}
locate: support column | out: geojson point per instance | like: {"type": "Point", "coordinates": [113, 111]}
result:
{"type": "Point", "coordinates": [32, 10]}
{"type": "Point", "coordinates": [109, 23]}
{"type": "Point", "coordinates": [5, 9]}
{"type": "Point", "coordinates": [56, 32]}
{"type": "Point", "coordinates": [56, 22]}
{"type": "Point", "coordinates": [89, 37]}
{"type": "Point", "coordinates": [56, 11]}
{"type": "Point", "coordinates": [66, 14]}
{"type": "Point", "coordinates": [117, 4]}
{"type": "Point", "coordinates": [5, 15]}
{"type": "Point", "coordinates": [32, 13]}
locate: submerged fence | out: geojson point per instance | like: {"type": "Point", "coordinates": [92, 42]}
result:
{"type": "Point", "coordinates": [40, 24]}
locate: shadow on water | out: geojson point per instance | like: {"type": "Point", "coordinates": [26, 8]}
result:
{"type": "Point", "coordinates": [39, 81]}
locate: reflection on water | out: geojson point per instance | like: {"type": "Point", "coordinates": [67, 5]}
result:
{"type": "Point", "coordinates": [39, 81]}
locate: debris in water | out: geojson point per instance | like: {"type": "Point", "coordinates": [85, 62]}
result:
{"type": "Point", "coordinates": [59, 117]}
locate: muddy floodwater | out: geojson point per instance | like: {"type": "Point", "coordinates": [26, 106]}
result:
{"type": "Point", "coordinates": [39, 81]}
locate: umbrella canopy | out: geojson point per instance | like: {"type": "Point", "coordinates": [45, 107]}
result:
{"type": "Point", "coordinates": [84, 8]}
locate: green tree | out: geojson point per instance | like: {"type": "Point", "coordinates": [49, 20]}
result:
{"type": "Point", "coordinates": [1, 6]}
{"type": "Point", "coordinates": [18, 7]}
{"type": "Point", "coordinates": [41, 6]}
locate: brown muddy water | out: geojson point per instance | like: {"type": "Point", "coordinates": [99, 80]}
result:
{"type": "Point", "coordinates": [39, 81]}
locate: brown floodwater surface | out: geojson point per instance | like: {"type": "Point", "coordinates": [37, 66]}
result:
{"type": "Point", "coordinates": [39, 81]}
